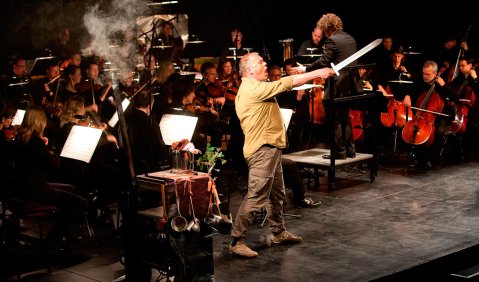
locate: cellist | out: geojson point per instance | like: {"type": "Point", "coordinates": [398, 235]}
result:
{"type": "Point", "coordinates": [448, 55]}
{"type": "Point", "coordinates": [389, 78]}
{"type": "Point", "coordinates": [466, 87]}
{"type": "Point", "coordinates": [431, 79]}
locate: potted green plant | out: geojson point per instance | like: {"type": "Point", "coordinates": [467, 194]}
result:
{"type": "Point", "coordinates": [211, 157]}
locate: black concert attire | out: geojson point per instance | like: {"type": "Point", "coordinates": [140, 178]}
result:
{"type": "Point", "coordinates": [208, 123]}
{"type": "Point", "coordinates": [450, 56]}
{"type": "Point", "coordinates": [299, 119]}
{"type": "Point", "coordinates": [172, 53]}
{"type": "Point", "coordinates": [36, 166]}
{"type": "Point", "coordinates": [101, 176]}
{"type": "Point", "coordinates": [147, 147]}
{"type": "Point", "coordinates": [42, 95]}
{"type": "Point", "coordinates": [163, 95]}
{"type": "Point", "coordinates": [18, 91]}
{"type": "Point", "coordinates": [467, 88]}
{"type": "Point", "coordinates": [426, 154]}
{"type": "Point", "coordinates": [91, 93]}
{"type": "Point", "coordinates": [382, 57]}
{"type": "Point", "coordinates": [309, 44]}
{"type": "Point", "coordinates": [338, 47]}
{"type": "Point", "coordinates": [292, 178]}
{"type": "Point", "coordinates": [383, 74]}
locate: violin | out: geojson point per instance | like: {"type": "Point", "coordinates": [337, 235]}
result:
{"type": "Point", "coordinates": [87, 85]}
{"type": "Point", "coordinates": [420, 130]}
{"type": "Point", "coordinates": [10, 132]}
{"type": "Point", "coordinates": [217, 89]}
{"type": "Point", "coordinates": [398, 114]}
{"type": "Point", "coordinates": [197, 108]}
{"type": "Point", "coordinates": [357, 117]}
{"type": "Point", "coordinates": [54, 109]}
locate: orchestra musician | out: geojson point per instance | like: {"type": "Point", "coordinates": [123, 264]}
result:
{"type": "Point", "coordinates": [90, 87]}
{"type": "Point", "coordinates": [7, 113]}
{"type": "Point", "coordinates": [448, 55]}
{"type": "Point", "coordinates": [393, 80]}
{"type": "Point", "coordinates": [48, 91]}
{"type": "Point", "coordinates": [17, 87]}
{"type": "Point", "coordinates": [210, 88]}
{"type": "Point", "coordinates": [166, 45]}
{"type": "Point", "coordinates": [148, 150]}
{"type": "Point", "coordinates": [425, 156]}
{"type": "Point", "coordinates": [184, 102]}
{"type": "Point", "coordinates": [466, 87]}
{"type": "Point", "coordinates": [101, 173]}
{"type": "Point", "coordinates": [229, 78]}
{"type": "Point", "coordinates": [291, 100]}
{"type": "Point", "coordinates": [315, 42]}
{"type": "Point", "coordinates": [128, 85]}
{"type": "Point", "coordinates": [36, 166]}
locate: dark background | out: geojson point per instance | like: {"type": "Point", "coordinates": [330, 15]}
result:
{"type": "Point", "coordinates": [27, 25]}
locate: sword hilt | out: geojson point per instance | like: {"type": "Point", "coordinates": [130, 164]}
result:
{"type": "Point", "coordinates": [335, 69]}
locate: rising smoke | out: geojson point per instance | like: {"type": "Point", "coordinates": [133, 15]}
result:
{"type": "Point", "coordinates": [112, 29]}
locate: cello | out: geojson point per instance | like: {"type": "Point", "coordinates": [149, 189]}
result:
{"type": "Point", "coordinates": [467, 98]}
{"type": "Point", "coordinates": [316, 107]}
{"type": "Point", "coordinates": [356, 117]}
{"type": "Point", "coordinates": [398, 114]}
{"type": "Point", "coordinates": [420, 130]}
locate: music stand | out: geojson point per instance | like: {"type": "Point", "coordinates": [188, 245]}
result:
{"type": "Point", "coordinates": [39, 66]}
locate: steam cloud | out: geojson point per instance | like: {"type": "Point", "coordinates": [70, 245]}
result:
{"type": "Point", "coordinates": [111, 28]}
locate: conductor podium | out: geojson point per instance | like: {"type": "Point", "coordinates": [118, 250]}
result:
{"type": "Point", "coordinates": [314, 157]}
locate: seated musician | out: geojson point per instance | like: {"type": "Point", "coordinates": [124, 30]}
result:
{"type": "Point", "coordinates": [148, 150]}
{"type": "Point", "coordinates": [211, 94]}
{"type": "Point", "coordinates": [231, 81]}
{"type": "Point", "coordinates": [211, 86]}
{"type": "Point", "coordinates": [184, 102]}
{"type": "Point", "coordinates": [431, 80]}
{"type": "Point", "coordinates": [294, 100]}
{"type": "Point", "coordinates": [93, 91]}
{"type": "Point", "coordinates": [389, 74]}
{"type": "Point", "coordinates": [16, 87]}
{"type": "Point", "coordinates": [229, 78]}
{"type": "Point", "coordinates": [36, 166]}
{"type": "Point", "coordinates": [102, 174]}
{"type": "Point", "coordinates": [465, 122]}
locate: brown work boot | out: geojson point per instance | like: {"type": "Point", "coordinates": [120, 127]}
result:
{"type": "Point", "coordinates": [240, 249]}
{"type": "Point", "coordinates": [285, 238]}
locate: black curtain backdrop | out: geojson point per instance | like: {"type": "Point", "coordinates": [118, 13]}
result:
{"type": "Point", "coordinates": [28, 25]}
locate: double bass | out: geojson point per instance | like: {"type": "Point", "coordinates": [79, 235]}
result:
{"type": "Point", "coordinates": [420, 130]}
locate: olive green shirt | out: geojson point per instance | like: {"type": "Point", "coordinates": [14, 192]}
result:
{"type": "Point", "coordinates": [259, 113]}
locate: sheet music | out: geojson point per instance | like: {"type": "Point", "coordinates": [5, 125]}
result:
{"type": "Point", "coordinates": [81, 143]}
{"type": "Point", "coordinates": [114, 119]}
{"type": "Point", "coordinates": [177, 127]}
{"type": "Point", "coordinates": [18, 118]}
{"type": "Point", "coordinates": [286, 114]}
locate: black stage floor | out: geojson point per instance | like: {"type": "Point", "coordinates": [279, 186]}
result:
{"type": "Point", "coordinates": [405, 225]}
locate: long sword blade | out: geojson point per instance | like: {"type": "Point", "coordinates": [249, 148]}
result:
{"type": "Point", "coordinates": [356, 55]}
